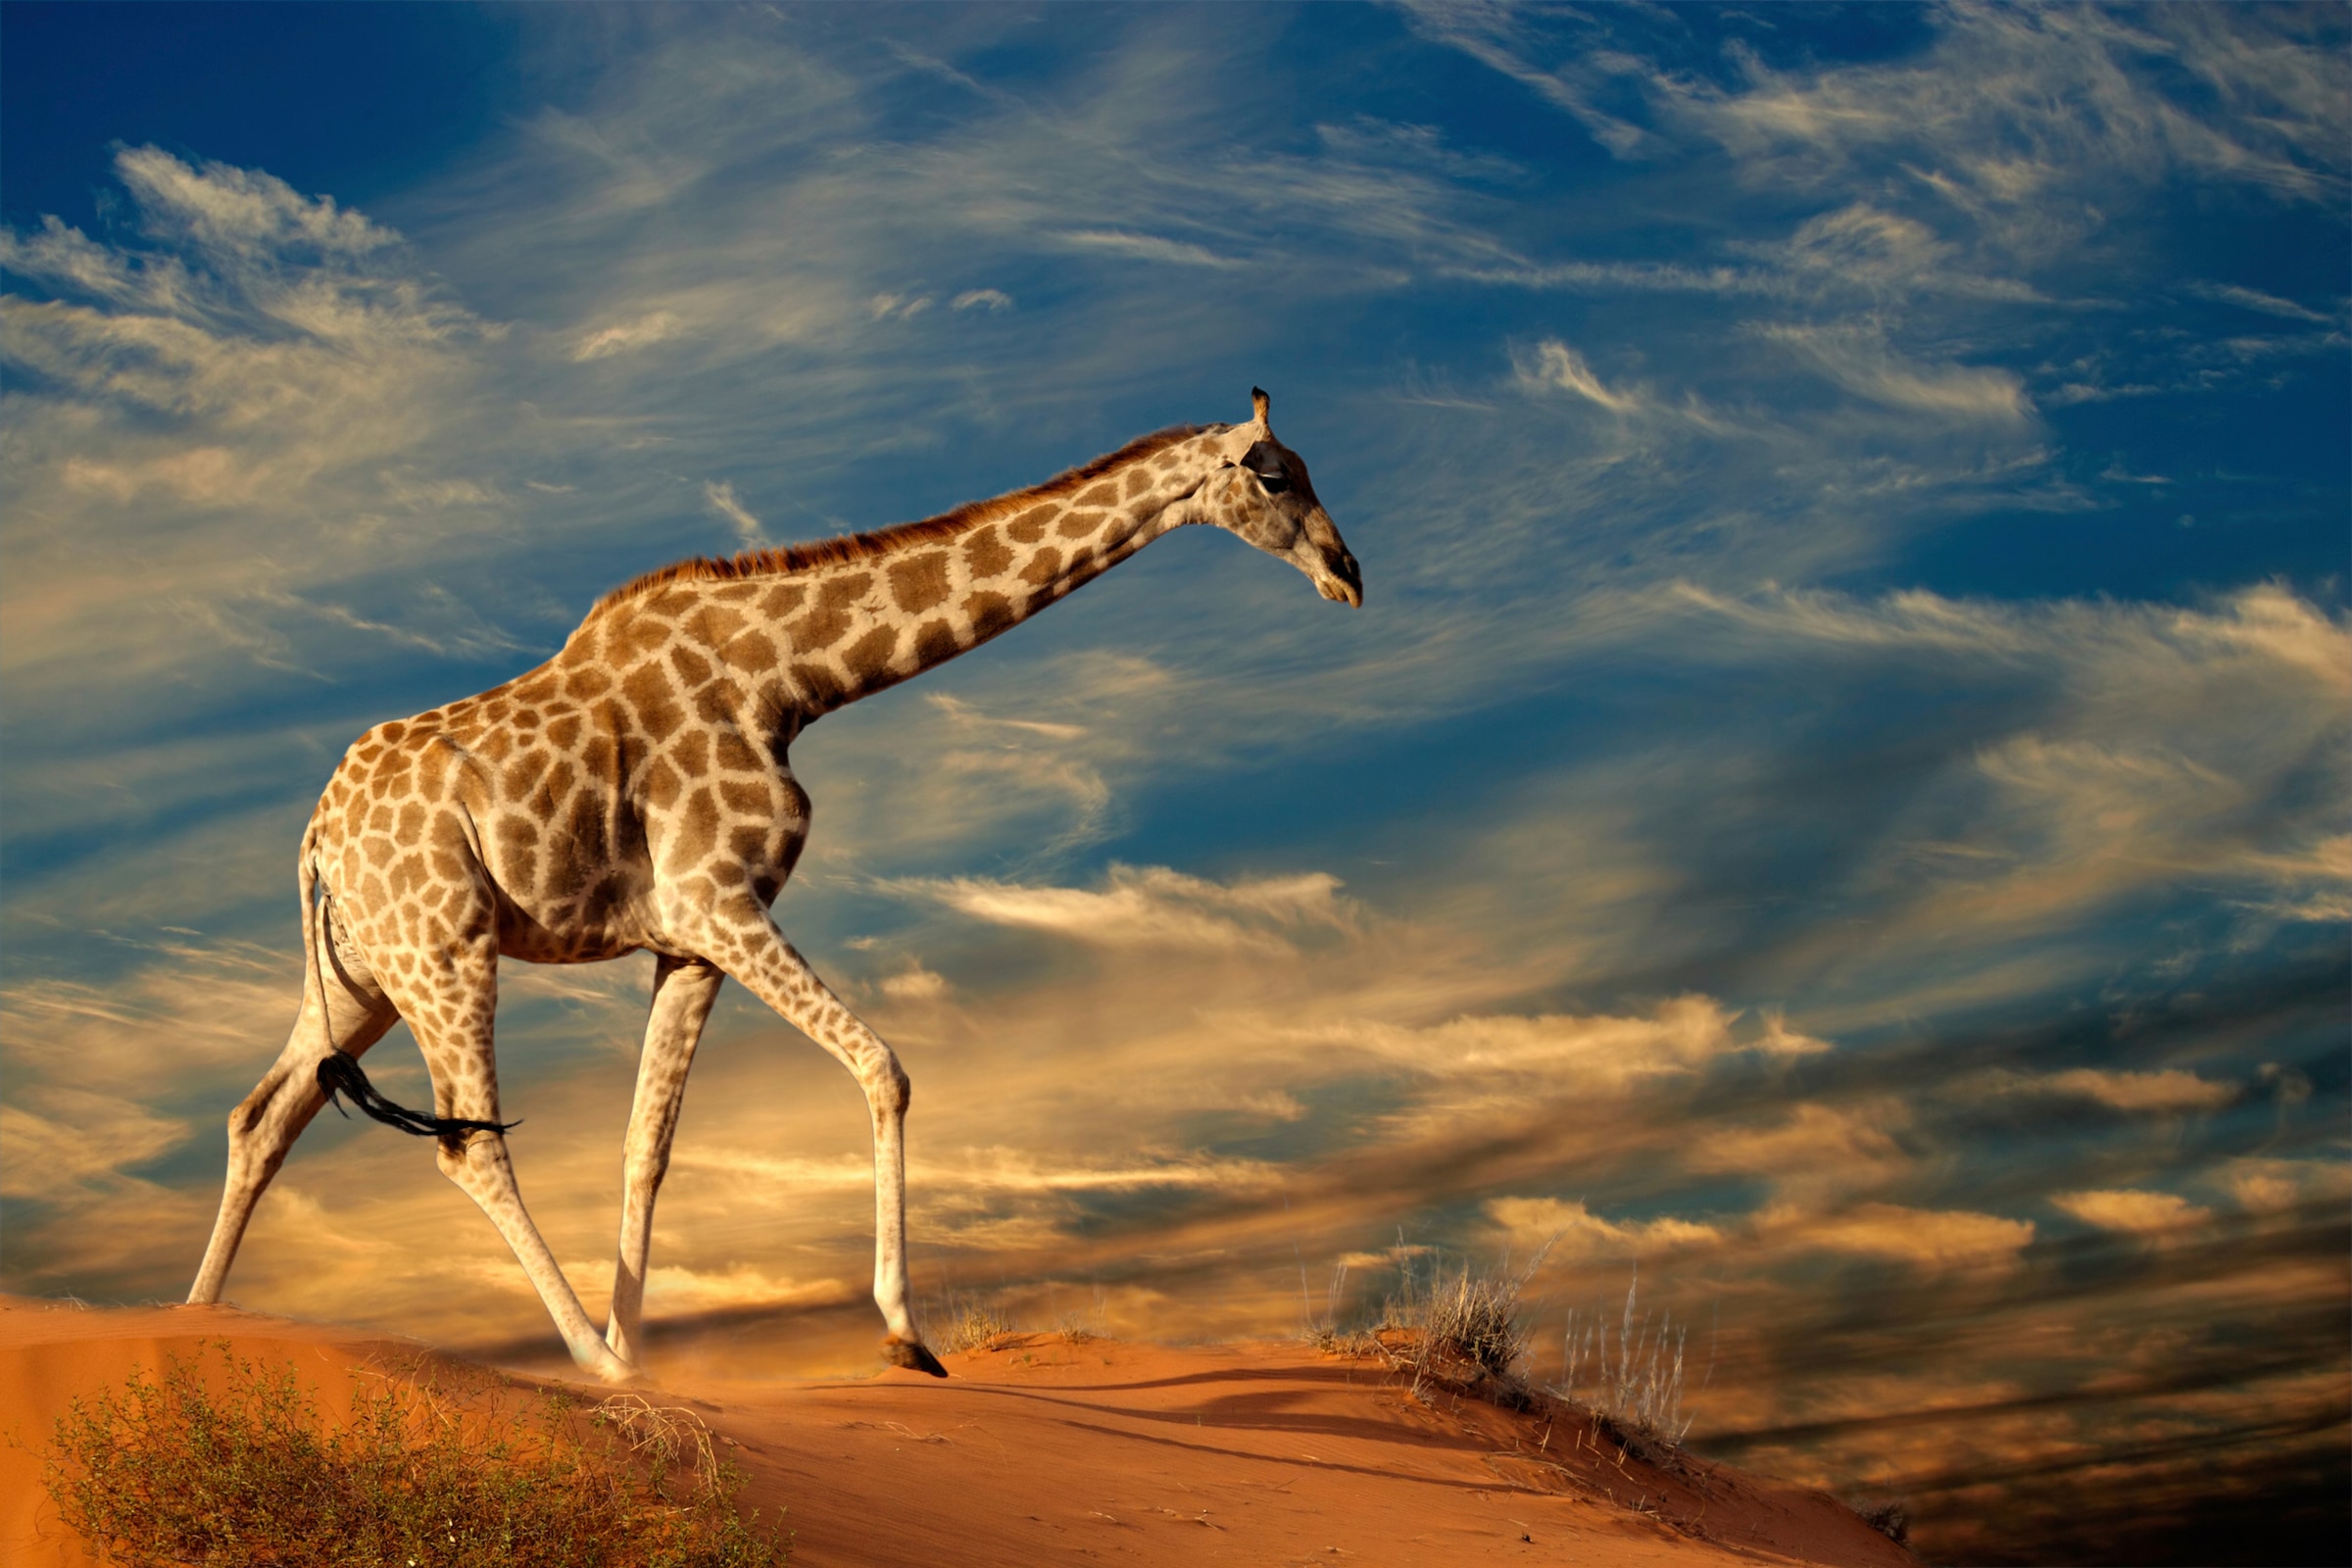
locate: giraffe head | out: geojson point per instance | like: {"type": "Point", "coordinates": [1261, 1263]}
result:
{"type": "Point", "coordinates": [1263, 494]}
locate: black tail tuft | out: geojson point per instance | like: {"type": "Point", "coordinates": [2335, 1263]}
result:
{"type": "Point", "coordinates": [339, 1073]}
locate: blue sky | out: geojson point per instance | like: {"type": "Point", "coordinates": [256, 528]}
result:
{"type": "Point", "coordinates": [1834, 798]}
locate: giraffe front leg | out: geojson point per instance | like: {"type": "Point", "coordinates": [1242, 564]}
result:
{"type": "Point", "coordinates": [684, 989]}
{"type": "Point", "coordinates": [746, 944]}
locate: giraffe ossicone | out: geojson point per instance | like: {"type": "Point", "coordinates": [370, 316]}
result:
{"type": "Point", "coordinates": [634, 792]}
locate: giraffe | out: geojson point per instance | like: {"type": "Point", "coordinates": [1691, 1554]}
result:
{"type": "Point", "coordinates": [634, 792]}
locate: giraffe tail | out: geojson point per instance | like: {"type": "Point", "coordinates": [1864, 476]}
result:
{"type": "Point", "coordinates": [339, 1071]}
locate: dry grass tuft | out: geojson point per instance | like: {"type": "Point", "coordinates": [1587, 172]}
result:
{"type": "Point", "coordinates": [1638, 1383]}
{"type": "Point", "coordinates": [1457, 1328]}
{"type": "Point", "coordinates": [661, 1434]}
{"type": "Point", "coordinates": [165, 1471]}
{"type": "Point", "coordinates": [977, 1326]}
{"type": "Point", "coordinates": [1475, 1318]}
{"type": "Point", "coordinates": [1467, 1331]}
{"type": "Point", "coordinates": [1467, 1327]}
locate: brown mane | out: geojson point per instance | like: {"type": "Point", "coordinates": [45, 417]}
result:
{"type": "Point", "coordinates": [898, 536]}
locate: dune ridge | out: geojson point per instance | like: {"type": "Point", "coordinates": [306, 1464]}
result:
{"type": "Point", "coordinates": [1047, 1450]}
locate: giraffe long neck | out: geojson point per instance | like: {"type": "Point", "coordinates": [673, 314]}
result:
{"type": "Point", "coordinates": [810, 640]}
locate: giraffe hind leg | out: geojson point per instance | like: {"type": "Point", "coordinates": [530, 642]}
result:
{"type": "Point", "coordinates": [450, 1006]}
{"type": "Point", "coordinates": [484, 1171]}
{"type": "Point", "coordinates": [263, 1126]}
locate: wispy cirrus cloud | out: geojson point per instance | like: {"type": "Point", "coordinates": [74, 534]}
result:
{"type": "Point", "coordinates": [1151, 907]}
{"type": "Point", "coordinates": [1556, 366]}
{"type": "Point", "coordinates": [1994, 107]}
{"type": "Point", "coordinates": [237, 408]}
{"type": "Point", "coordinates": [624, 337]}
{"type": "Point", "coordinates": [1867, 368]}
{"type": "Point", "coordinates": [719, 495]}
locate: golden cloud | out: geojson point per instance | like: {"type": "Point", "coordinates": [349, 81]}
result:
{"type": "Point", "coordinates": [2131, 1211]}
{"type": "Point", "coordinates": [1931, 1239]}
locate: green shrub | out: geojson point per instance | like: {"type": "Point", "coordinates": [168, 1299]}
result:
{"type": "Point", "coordinates": [166, 1472]}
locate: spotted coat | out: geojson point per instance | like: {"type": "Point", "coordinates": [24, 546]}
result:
{"type": "Point", "coordinates": [636, 792]}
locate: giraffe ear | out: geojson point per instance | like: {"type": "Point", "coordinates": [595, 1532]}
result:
{"type": "Point", "coordinates": [1258, 403]}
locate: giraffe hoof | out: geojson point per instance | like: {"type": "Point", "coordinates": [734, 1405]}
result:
{"type": "Point", "coordinates": [607, 1367]}
{"type": "Point", "coordinates": [911, 1355]}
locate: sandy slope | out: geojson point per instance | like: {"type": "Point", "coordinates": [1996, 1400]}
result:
{"type": "Point", "coordinates": [1049, 1452]}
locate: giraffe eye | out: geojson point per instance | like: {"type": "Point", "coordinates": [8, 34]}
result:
{"type": "Point", "coordinates": [1265, 466]}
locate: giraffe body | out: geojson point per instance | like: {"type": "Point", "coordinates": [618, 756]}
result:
{"type": "Point", "coordinates": [635, 793]}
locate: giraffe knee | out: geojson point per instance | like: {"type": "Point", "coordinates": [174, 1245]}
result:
{"type": "Point", "coordinates": [246, 1119]}
{"type": "Point", "coordinates": [253, 1111]}
{"type": "Point", "coordinates": [642, 1169]}
{"type": "Point", "coordinates": [888, 1089]}
{"type": "Point", "coordinates": [244, 1124]}
{"type": "Point", "coordinates": [249, 1121]}
{"type": "Point", "coordinates": [455, 1155]}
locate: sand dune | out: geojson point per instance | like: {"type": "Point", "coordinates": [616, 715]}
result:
{"type": "Point", "coordinates": [1049, 1452]}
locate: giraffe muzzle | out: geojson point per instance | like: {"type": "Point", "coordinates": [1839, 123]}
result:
{"type": "Point", "coordinates": [1329, 562]}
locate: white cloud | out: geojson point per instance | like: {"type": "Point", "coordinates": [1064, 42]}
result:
{"type": "Point", "coordinates": [1557, 365]}
{"type": "Point", "coordinates": [2265, 628]}
{"type": "Point", "coordinates": [982, 299]}
{"type": "Point", "coordinates": [1861, 363]}
{"type": "Point", "coordinates": [623, 336]}
{"type": "Point", "coordinates": [2022, 129]}
{"type": "Point", "coordinates": [1659, 278]}
{"type": "Point", "coordinates": [224, 209]}
{"type": "Point", "coordinates": [1145, 247]}
{"type": "Point", "coordinates": [1864, 247]}
{"type": "Point", "coordinates": [272, 407]}
{"type": "Point", "coordinates": [720, 495]}
{"type": "Point", "coordinates": [2009, 104]}
{"type": "Point", "coordinates": [1577, 79]}
{"type": "Point", "coordinates": [1153, 906]}
{"type": "Point", "coordinates": [2255, 300]}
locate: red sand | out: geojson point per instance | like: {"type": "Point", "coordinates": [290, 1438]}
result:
{"type": "Point", "coordinates": [1048, 1452]}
